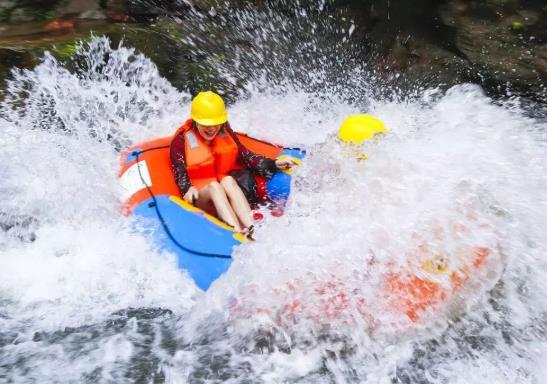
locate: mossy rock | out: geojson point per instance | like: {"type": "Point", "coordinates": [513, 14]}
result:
{"type": "Point", "coordinates": [14, 58]}
{"type": "Point", "coordinates": [26, 10]}
{"type": "Point", "coordinates": [64, 51]}
{"type": "Point", "coordinates": [25, 51]}
{"type": "Point", "coordinates": [177, 60]}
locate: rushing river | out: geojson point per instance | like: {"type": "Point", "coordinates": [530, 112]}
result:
{"type": "Point", "coordinates": [86, 298]}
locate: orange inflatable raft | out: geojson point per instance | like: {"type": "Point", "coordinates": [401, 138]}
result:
{"type": "Point", "coordinates": [384, 295]}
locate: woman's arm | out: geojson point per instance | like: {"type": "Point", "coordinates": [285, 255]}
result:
{"type": "Point", "coordinates": [259, 164]}
{"type": "Point", "coordinates": [178, 164]}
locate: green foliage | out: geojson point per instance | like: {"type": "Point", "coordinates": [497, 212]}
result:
{"type": "Point", "coordinates": [63, 51]}
{"type": "Point", "coordinates": [4, 14]}
{"type": "Point", "coordinates": [27, 10]}
{"type": "Point", "coordinates": [516, 25]}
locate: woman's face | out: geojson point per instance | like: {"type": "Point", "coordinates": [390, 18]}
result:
{"type": "Point", "coordinates": [208, 132]}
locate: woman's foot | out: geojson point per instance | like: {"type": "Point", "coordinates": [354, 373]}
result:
{"type": "Point", "coordinates": [248, 232]}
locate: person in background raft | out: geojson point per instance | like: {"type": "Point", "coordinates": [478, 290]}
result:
{"type": "Point", "coordinates": [358, 128]}
{"type": "Point", "coordinates": [355, 134]}
{"type": "Point", "coordinates": [211, 166]}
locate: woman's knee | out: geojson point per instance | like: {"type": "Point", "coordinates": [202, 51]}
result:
{"type": "Point", "coordinates": [215, 187]}
{"type": "Point", "coordinates": [229, 183]}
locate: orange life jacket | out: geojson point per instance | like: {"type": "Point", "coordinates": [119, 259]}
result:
{"type": "Point", "coordinates": [207, 162]}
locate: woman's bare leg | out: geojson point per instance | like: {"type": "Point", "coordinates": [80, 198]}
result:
{"type": "Point", "coordinates": [238, 200]}
{"type": "Point", "coordinates": [215, 192]}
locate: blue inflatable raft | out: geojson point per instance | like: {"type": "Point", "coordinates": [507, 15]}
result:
{"type": "Point", "coordinates": [202, 243]}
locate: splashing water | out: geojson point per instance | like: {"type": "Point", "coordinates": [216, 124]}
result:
{"type": "Point", "coordinates": [86, 299]}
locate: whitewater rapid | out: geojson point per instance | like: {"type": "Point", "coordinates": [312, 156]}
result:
{"type": "Point", "coordinates": [86, 298]}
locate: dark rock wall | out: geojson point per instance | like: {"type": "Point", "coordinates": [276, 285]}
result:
{"type": "Point", "coordinates": [500, 44]}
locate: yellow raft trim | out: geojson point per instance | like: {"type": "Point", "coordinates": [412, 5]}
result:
{"type": "Point", "coordinates": [437, 264]}
{"type": "Point", "coordinates": [240, 237]}
{"type": "Point", "coordinates": [191, 208]}
{"type": "Point", "coordinates": [296, 160]}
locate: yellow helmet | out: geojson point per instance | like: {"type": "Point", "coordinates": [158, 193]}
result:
{"type": "Point", "coordinates": [360, 127]}
{"type": "Point", "coordinates": [208, 109]}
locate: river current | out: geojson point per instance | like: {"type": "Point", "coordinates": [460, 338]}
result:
{"type": "Point", "coordinates": [86, 298]}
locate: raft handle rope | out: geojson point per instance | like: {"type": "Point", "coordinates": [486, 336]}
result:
{"type": "Point", "coordinates": [137, 154]}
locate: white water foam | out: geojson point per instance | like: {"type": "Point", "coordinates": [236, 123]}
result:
{"type": "Point", "coordinates": [446, 155]}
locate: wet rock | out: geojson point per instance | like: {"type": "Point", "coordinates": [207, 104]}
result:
{"type": "Point", "coordinates": [23, 45]}
{"type": "Point", "coordinates": [503, 48]}
{"type": "Point", "coordinates": [13, 57]}
{"type": "Point", "coordinates": [84, 9]}
{"type": "Point", "coordinates": [145, 10]}
{"type": "Point", "coordinates": [148, 9]}
{"type": "Point", "coordinates": [496, 43]}
{"type": "Point", "coordinates": [410, 47]}
{"type": "Point", "coordinates": [115, 9]}
{"type": "Point", "coordinates": [163, 43]}
{"type": "Point", "coordinates": [167, 42]}
{"type": "Point", "coordinates": [529, 17]}
{"type": "Point", "coordinates": [416, 63]}
{"type": "Point", "coordinates": [157, 43]}
{"type": "Point", "coordinates": [14, 11]}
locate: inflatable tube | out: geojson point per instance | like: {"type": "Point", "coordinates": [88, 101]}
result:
{"type": "Point", "coordinates": [394, 296]}
{"type": "Point", "coordinates": [202, 243]}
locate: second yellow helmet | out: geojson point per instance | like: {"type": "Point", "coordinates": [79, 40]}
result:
{"type": "Point", "coordinates": [208, 109]}
{"type": "Point", "coordinates": [360, 127]}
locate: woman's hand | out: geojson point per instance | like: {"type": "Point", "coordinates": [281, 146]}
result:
{"type": "Point", "coordinates": [285, 163]}
{"type": "Point", "coordinates": [192, 195]}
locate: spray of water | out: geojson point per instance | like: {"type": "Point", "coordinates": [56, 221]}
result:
{"type": "Point", "coordinates": [85, 298]}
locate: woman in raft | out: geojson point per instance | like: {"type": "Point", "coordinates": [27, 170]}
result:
{"type": "Point", "coordinates": [209, 163]}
